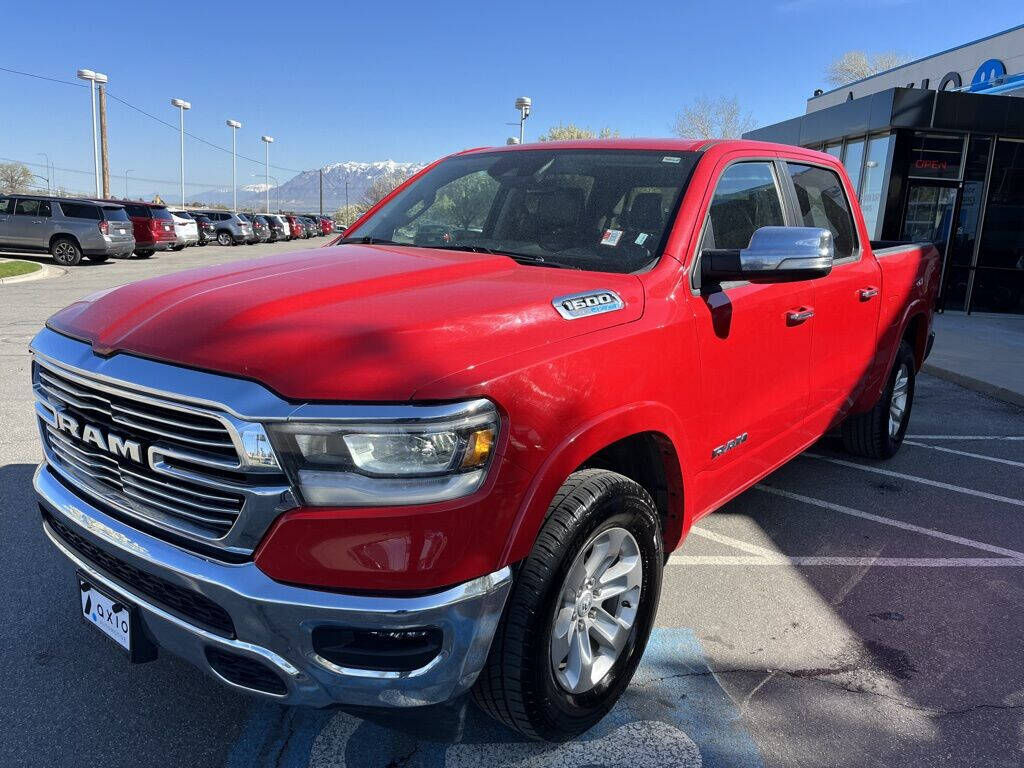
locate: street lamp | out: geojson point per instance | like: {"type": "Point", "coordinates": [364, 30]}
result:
{"type": "Point", "coordinates": [523, 104]}
{"type": "Point", "coordinates": [93, 78]}
{"type": "Point", "coordinates": [182, 105]}
{"type": "Point", "coordinates": [46, 157]}
{"type": "Point", "coordinates": [268, 140]}
{"type": "Point", "coordinates": [126, 172]}
{"type": "Point", "coordinates": [234, 125]}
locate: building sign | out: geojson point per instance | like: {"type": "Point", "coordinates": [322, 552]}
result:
{"type": "Point", "coordinates": [975, 66]}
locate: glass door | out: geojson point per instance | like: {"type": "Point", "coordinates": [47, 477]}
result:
{"type": "Point", "coordinates": [930, 213]}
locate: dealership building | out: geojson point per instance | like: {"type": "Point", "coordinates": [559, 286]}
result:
{"type": "Point", "coordinates": [935, 149]}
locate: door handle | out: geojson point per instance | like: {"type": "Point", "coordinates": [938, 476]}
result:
{"type": "Point", "coordinates": [866, 294]}
{"type": "Point", "coordinates": [797, 316]}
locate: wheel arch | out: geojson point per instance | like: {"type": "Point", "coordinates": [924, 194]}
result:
{"type": "Point", "coordinates": [915, 333]}
{"type": "Point", "coordinates": [64, 236]}
{"type": "Point", "coordinates": [641, 441]}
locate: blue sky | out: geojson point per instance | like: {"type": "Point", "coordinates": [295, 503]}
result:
{"type": "Point", "coordinates": [411, 81]}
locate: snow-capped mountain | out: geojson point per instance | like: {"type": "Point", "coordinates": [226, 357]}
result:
{"type": "Point", "coordinates": [302, 192]}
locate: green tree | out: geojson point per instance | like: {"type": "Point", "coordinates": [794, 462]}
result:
{"type": "Point", "coordinates": [381, 187]}
{"type": "Point", "coordinates": [14, 178]}
{"type": "Point", "coordinates": [466, 200]}
{"type": "Point", "coordinates": [346, 214]}
{"type": "Point", "coordinates": [571, 132]}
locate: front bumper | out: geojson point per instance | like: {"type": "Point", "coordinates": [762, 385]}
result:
{"type": "Point", "coordinates": [273, 622]}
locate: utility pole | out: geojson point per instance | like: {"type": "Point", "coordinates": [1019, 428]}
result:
{"type": "Point", "coordinates": [321, 191]}
{"type": "Point", "coordinates": [346, 198]}
{"type": "Point", "coordinates": [103, 141]}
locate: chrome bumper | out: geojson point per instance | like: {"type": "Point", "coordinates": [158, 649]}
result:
{"type": "Point", "coordinates": [274, 622]}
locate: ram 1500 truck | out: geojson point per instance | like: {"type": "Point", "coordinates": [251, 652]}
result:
{"type": "Point", "coordinates": [451, 452]}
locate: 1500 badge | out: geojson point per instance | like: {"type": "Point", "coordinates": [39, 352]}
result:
{"type": "Point", "coordinates": [578, 305]}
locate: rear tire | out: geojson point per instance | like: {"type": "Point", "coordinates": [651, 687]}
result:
{"type": "Point", "coordinates": [143, 254]}
{"type": "Point", "coordinates": [98, 258]}
{"type": "Point", "coordinates": [548, 613]}
{"type": "Point", "coordinates": [66, 252]}
{"type": "Point", "coordinates": [878, 433]}
{"type": "Point", "coordinates": [177, 247]}
{"type": "Point", "coordinates": [225, 238]}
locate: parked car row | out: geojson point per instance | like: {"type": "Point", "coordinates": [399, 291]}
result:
{"type": "Point", "coordinates": [70, 229]}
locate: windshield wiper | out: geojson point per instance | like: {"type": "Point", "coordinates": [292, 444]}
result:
{"type": "Point", "coordinates": [367, 240]}
{"type": "Point", "coordinates": [527, 258]}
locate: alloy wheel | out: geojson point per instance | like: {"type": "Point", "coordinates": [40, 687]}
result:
{"type": "Point", "coordinates": [65, 253]}
{"type": "Point", "coordinates": [898, 401]}
{"type": "Point", "coordinates": [596, 609]}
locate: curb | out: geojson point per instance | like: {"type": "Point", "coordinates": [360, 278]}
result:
{"type": "Point", "coordinates": [977, 385]}
{"type": "Point", "coordinates": [44, 272]}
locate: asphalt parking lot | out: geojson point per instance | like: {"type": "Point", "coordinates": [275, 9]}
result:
{"type": "Point", "coordinates": [842, 613]}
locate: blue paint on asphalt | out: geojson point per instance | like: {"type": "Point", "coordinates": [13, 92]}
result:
{"type": "Point", "coordinates": [674, 708]}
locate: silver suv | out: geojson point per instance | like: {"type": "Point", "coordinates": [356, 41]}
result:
{"type": "Point", "coordinates": [66, 228]}
{"type": "Point", "coordinates": [232, 229]}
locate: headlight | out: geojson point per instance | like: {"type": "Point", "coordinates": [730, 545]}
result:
{"type": "Point", "coordinates": [403, 461]}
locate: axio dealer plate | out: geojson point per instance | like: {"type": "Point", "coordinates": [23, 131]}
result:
{"type": "Point", "coordinates": [111, 617]}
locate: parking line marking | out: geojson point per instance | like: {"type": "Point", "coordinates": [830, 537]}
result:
{"type": "Point", "coordinates": [972, 543]}
{"type": "Point", "coordinates": [966, 453]}
{"type": "Point", "coordinates": [966, 437]}
{"type": "Point", "coordinates": [915, 479]}
{"type": "Point", "coordinates": [853, 562]}
{"type": "Point", "coordinates": [753, 549]}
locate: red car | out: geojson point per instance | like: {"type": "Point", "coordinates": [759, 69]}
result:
{"type": "Point", "coordinates": [326, 224]}
{"type": "Point", "coordinates": [453, 451]}
{"type": "Point", "coordinates": [296, 226]}
{"type": "Point", "coordinates": [153, 227]}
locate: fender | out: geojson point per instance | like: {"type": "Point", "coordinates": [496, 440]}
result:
{"type": "Point", "coordinates": [580, 445]}
{"type": "Point", "coordinates": [889, 342]}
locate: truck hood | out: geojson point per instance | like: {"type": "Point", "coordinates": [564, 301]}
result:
{"type": "Point", "coordinates": [344, 323]}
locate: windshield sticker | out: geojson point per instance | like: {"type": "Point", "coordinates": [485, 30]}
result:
{"type": "Point", "coordinates": [611, 237]}
{"type": "Point", "coordinates": [670, 159]}
{"type": "Point", "coordinates": [641, 238]}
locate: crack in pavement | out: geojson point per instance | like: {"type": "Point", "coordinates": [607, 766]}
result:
{"type": "Point", "coordinates": [820, 676]}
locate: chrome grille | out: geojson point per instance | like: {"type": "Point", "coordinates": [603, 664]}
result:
{"type": "Point", "coordinates": [189, 478]}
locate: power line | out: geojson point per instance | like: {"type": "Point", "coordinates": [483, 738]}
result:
{"type": "Point", "coordinates": [149, 115]}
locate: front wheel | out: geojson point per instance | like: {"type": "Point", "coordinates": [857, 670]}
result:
{"type": "Point", "coordinates": [878, 434]}
{"type": "Point", "coordinates": [580, 611]}
{"type": "Point", "coordinates": [225, 238]}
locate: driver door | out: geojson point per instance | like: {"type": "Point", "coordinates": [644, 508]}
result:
{"type": "Point", "coordinates": [754, 352]}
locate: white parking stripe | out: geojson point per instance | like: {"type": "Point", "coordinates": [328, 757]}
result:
{"type": "Point", "coordinates": [753, 549]}
{"type": "Point", "coordinates": [965, 453]}
{"type": "Point", "coordinates": [852, 562]}
{"type": "Point", "coordinates": [915, 479]}
{"type": "Point", "coordinates": [966, 437]}
{"type": "Point", "coordinates": [1012, 553]}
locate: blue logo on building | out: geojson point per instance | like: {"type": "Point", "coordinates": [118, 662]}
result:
{"type": "Point", "coordinates": [988, 72]}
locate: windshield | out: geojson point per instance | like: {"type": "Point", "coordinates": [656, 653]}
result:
{"type": "Point", "coordinates": [599, 210]}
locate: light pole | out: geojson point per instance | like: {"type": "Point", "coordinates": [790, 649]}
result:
{"type": "Point", "coordinates": [523, 104]}
{"type": "Point", "coordinates": [46, 157]}
{"type": "Point", "coordinates": [126, 172]}
{"type": "Point", "coordinates": [93, 78]}
{"type": "Point", "coordinates": [182, 105]}
{"type": "Point", "coordinates": [234, 125]}
{"type": "Point", "coordinates": [268, 140]}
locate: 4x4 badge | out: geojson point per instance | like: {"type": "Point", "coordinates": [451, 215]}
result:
{"type": "Point", "coordinates": [577, 305]}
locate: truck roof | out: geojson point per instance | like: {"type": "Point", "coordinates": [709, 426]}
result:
{"type": "Point", "coordinates": [666, 145]}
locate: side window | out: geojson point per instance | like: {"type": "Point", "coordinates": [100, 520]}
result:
{"type": "Point", "coordinates": [27, 208]}
{"type": "Point", "coordinates": [138, 211]}
{"type": "Point", "coordinates": [7, 206]}
{"type": "Point", "coordinates": [823, 203]}
{"type": "Point", "coordinates": [80, 211]}
{"type": "Point", "coordinates": [746, 199]}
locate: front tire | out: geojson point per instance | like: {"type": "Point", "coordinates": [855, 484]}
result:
{"type": "Point", "coordinates": [66, 252]}
{"type": "Point", "coordinates": [878, 434]}
{"type": "Point", "coordinates": [580, 611]}
{"type": "Point", "coordinates": [225, 238]}
{"type": "Point", "coordinates": [143, 254]}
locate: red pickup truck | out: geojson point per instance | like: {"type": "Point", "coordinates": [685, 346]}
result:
{"type": "Point", "coordinates": [452, 451]}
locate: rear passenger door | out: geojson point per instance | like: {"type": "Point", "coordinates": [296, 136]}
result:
{"type": "Point", "coordinates": [846, 302]}
{"type": "Point", "coordinates": [753, 356]}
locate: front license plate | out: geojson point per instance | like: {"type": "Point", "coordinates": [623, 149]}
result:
{"type": "Point", "coordinates": [111, 616]}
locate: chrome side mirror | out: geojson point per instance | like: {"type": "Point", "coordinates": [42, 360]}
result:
{"type": "Point", "coordinates": [775, 255]}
